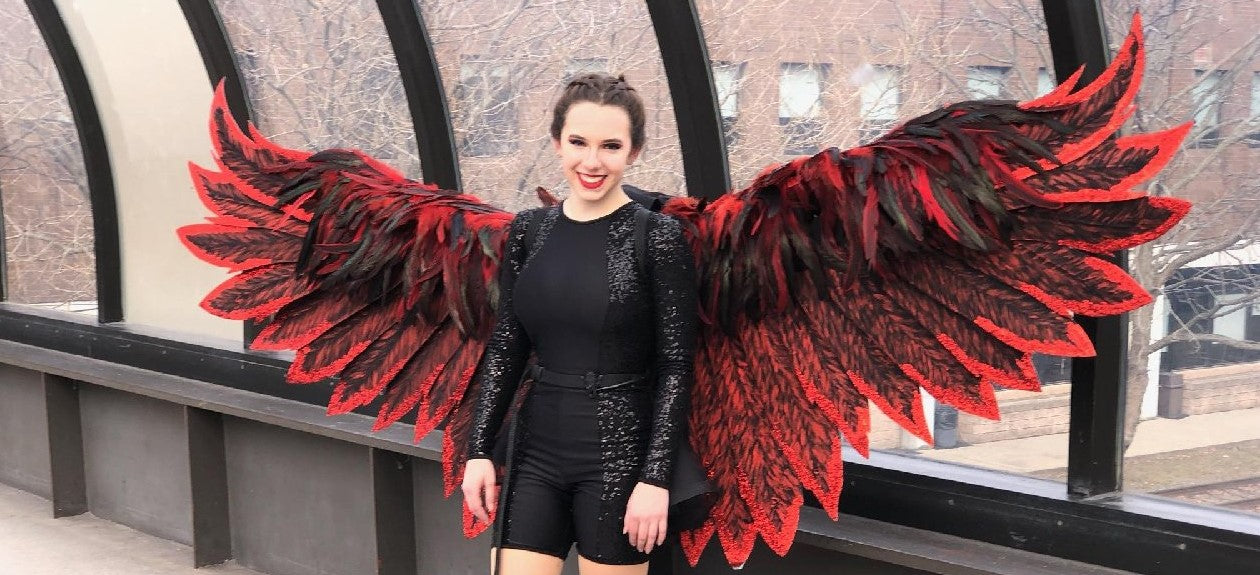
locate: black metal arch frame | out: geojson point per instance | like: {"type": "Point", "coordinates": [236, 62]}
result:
{"type": "Point", "coordinates": [216, 52]}
{"type": "Point", "coordinates": [100, 176]}
{"type": "Point", "coordinates": [1090, 521]}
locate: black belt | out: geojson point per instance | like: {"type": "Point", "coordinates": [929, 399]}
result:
{"type": "Point", "coordinates": [589, 381]}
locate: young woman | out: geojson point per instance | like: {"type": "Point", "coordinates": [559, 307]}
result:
{"type": "Point", "coordinates": [594, 440]}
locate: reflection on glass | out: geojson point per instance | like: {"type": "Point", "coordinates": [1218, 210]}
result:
{"type": "Point", "coordinates": [48, 244]}
{"type": "Point", "coordinates": [536, 48]}
{"type": "Point", "coordinates": [837, 77]}
{"type": "Point", "coordinates": [1192, 427]}
{"type": "Point", "coordinates": [322, 74]}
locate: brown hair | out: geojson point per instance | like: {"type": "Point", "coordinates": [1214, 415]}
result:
{"type": "Point", "coordinates": [604, 90]}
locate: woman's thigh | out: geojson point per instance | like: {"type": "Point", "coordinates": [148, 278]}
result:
{"type": "Point", "coordinates": [520, 561]}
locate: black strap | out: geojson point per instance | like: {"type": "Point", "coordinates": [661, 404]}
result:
{"type": "Point", "coordinates": [531, 232]}
{"type": "Point", "coordinates": [590, 381]}
{"type": "Point", "coordinates": [640, 241]}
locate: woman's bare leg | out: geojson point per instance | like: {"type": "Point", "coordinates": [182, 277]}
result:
{"type": "Point", "coordinates": [520, 561]}
{"type": "Point", "coordinates": [588, 567]}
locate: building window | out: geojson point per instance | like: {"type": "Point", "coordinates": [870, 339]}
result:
{"type": "Point", "coordinates": [880, 100]}
{"type": "Point", "coordinates": [1253, 138]}
{"type": "Point", "coordinates": [578, 66]}
{"type": "Point", "coordinates": [486, 107]}
{"type": "Point", "coordinates": [1045, 82]}
{"type": "Point", "coordinates": [1207, 93]}
{"type": "Point", "coordinates": [800, 106]}
{"type": "Point", "coordinates": [987, 82]}
{"type": "Point", "coordinates": [726, 78]}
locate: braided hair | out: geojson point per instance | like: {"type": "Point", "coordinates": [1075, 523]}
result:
{"type": "Point", "coordinates": [604, 90]}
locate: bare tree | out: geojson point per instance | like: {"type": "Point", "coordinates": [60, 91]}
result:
{"type": "Point", "coordinates": [48, 240]}
{"type": "Point", "coordinates": [1200, 63]}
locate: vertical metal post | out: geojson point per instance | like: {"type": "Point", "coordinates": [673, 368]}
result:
{"type": "Point", "coordinates": [65, 446]}
{"type": "Point", "coordinates": [207, 470]}
{"type": "Point", "coordinates": [393, 494]}
{"type": "Point", "coordinates": [1095, 437]}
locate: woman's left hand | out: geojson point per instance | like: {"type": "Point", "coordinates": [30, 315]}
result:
{"type": "Point", "coordinates": [646, 515]}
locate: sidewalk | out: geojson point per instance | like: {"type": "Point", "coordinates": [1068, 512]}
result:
{"type": "Point", "coordinates": [1153, 436]}
{"type": "Point", "coordinates": [33, 543]}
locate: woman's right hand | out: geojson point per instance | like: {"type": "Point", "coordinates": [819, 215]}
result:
{"type": "Point", "coordinates": [481, 493]}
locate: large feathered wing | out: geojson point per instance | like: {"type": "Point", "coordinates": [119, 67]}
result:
{"type": "Point", "coordinates": [939, 257]}
{"type": "Point", "coordinates": [384, 286]}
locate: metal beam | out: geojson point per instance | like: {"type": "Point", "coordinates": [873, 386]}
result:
{"type": "Point", "coordinates": [1096, 432]}
{"type": "Point", "coordinates": [686, 59]}
{"type": "Point", "coordinates": [100, 175]}
{"type": "Point", "coordinates": [393, 495]}
{"type": "Point", "coordinates": [65, 446]}
{"type": "Point", "coordinates": [207, 467]}
{"type": "Point", "coordinates": [422, 81]}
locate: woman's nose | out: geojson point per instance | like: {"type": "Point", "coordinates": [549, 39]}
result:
{"type": "Point", "coordinates": [590, 159]}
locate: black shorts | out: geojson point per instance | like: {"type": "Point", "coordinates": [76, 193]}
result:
{"type": "Point", "coordinates": [570, 481]}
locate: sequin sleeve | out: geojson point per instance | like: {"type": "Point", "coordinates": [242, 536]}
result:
{"type": "Point", "coordinates": [507, 349]}
{"type": "Point", "coordinates": [673, 286]}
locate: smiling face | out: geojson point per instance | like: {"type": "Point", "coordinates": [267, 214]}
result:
{"type": "Point", "coordinates": [595, 150]}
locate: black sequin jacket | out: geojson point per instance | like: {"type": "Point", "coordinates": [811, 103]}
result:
{"type": "Point", "coordinates": [651, 322]}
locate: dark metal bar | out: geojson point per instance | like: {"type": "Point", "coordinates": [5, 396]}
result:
{"type": "Point", "coordinates": [207, 466]}
{"type": "Point", "coordinates": [430, 117]}
{"type": "Point", "coordinates": [95, 157]}
{"type": "Point", "coordinates": [4, 254]}
{"type": "Point", "coordinates": [1095, 436]}
{"type": "Point", "coordinates": [686, 59]}
{"type": "Point", "coordinates": [216, 53]}
{"type": "Point", "coordinates": [220, 61]}
{"type": "Point", "coordinates": [65, 446]}
{"type": "Point", "coordinates": [394, 496]}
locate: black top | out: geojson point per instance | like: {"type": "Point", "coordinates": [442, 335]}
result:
{"type": "Point", "coordinates": [563, 294]}
{"type": "Point", "coordinates": [648, 319]}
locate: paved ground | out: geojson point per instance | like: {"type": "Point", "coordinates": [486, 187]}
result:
{"type": "Point", "coordinates": [33, 543]}
{"type": "Point", "coordinates": [1153, 436]}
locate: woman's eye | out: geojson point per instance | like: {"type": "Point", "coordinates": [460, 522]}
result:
{"type": "Point", "coordinates": [575, 142]}
{"type": "Point", "coordinates": [613, 146]}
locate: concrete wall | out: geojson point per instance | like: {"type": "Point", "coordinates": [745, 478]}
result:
{"type": "Point", "coordinates": [135, 461]}
{"type": "Point", "coordinates": [299, 504]}
{"type": "Point", "coordinates": [23, 431]}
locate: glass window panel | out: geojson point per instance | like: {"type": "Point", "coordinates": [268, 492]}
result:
{"type": "Point", "coordinates": [986, 81]}
{"type": "Point", "coordinates": [726, 80]}
{"type": "Point", "coordinates": [579, 66]}
{"type": "Point", "coordinates": [1045, 84]}
{"type": "Point", "coordinates": [322, 74]}
{"type": "Point", "coordinates": [800, 90]}
{"type": "Point", "coordinates": [1254, 121]}
{"type": "Point", "coordinates": [486, 106]}
{"type": "Point", "coordinates": [1208, 93]}
{"type": "Point", "coordinates": [1193, 384]}
{"type": "Point", "coordinates": [889, 61]}
{"type": "Point", "coordinates": [541, 45]}
{"type": "Point", "coordinates": [47, 248]}
{"type": "Point", "coordinates": [800, 104]}
{"type": "Point", "coordinates": [880, 93]}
